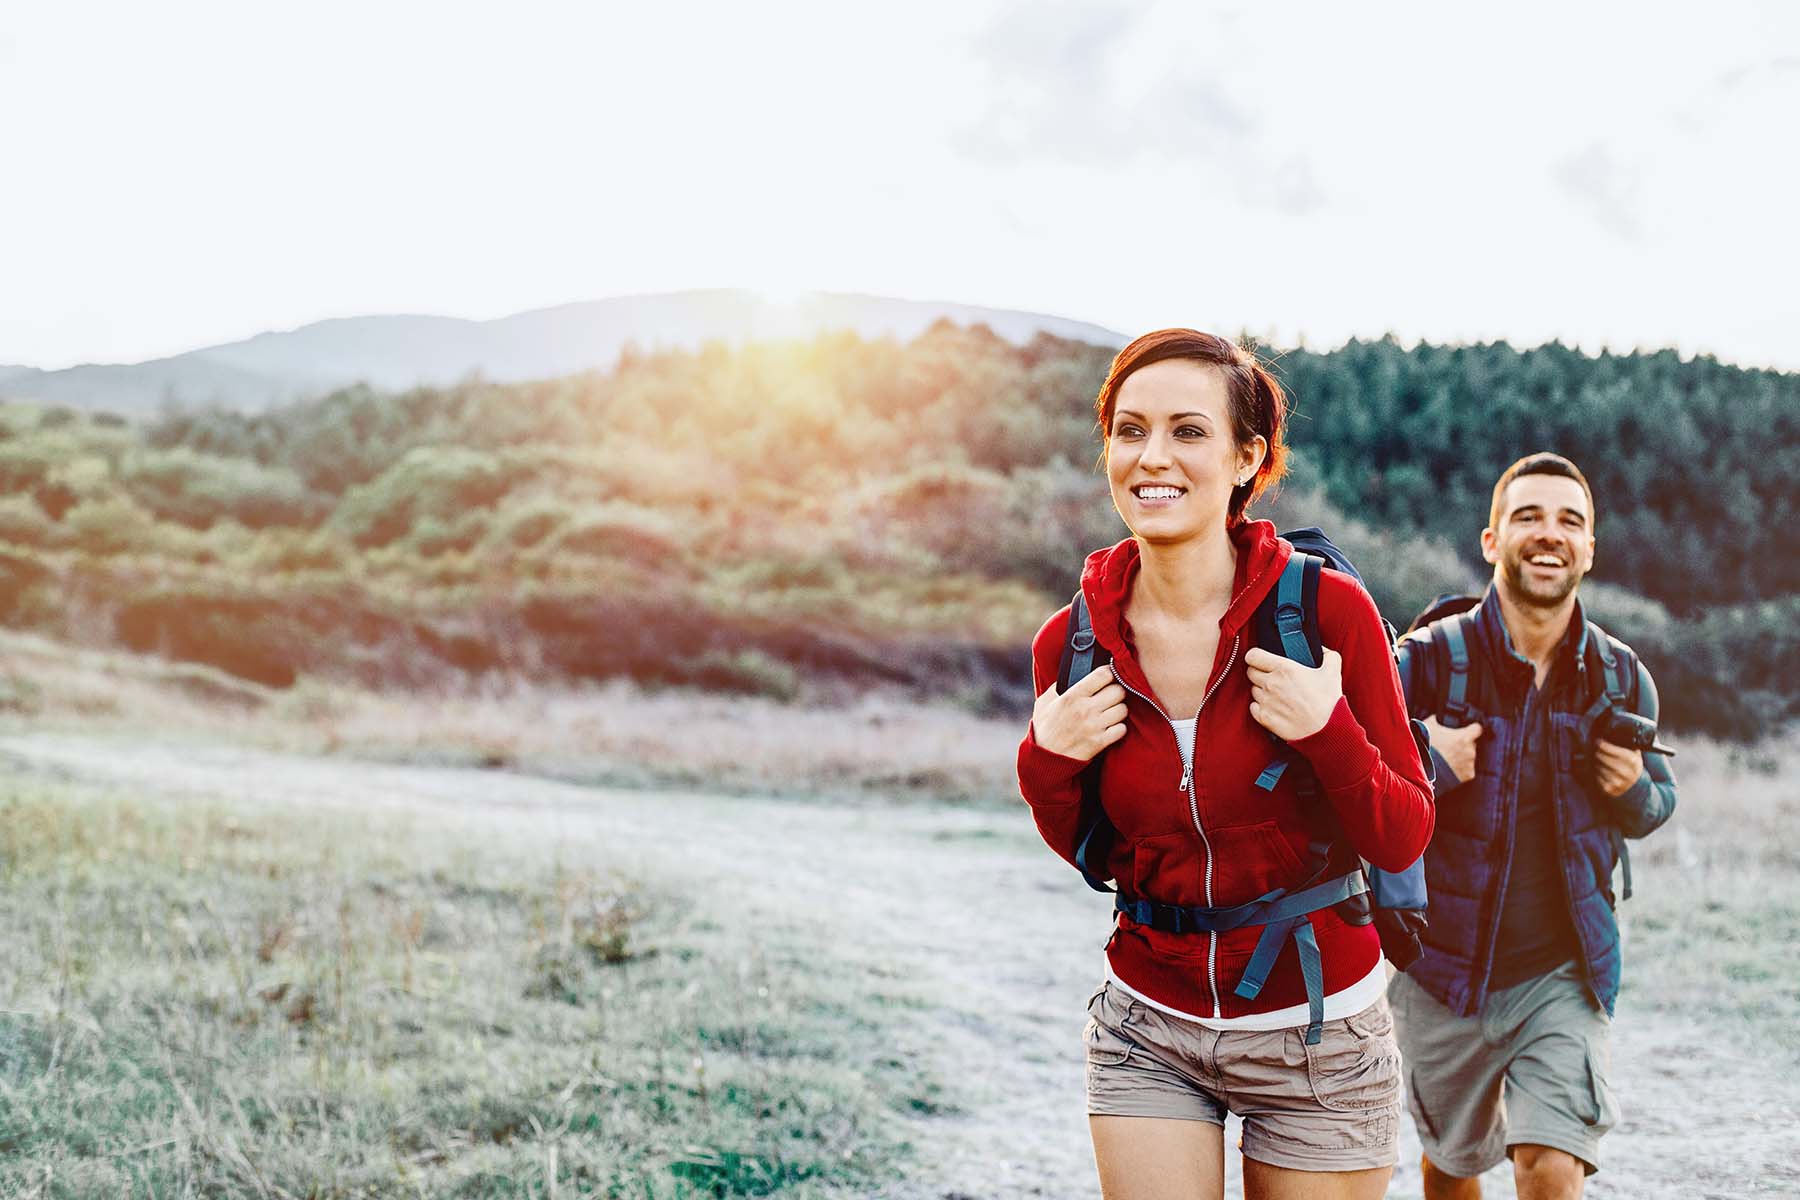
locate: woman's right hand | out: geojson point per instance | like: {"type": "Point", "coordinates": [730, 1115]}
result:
{"type": "Point", "coordinates": [1082, 721]}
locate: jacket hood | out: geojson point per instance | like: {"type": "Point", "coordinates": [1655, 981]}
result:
{"type": "Point", "coordinates": [1107, 578]}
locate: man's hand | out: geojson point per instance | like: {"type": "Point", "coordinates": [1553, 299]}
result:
{"type": "Point", "coordinates": [1289, 700]}
{"type": "Point", "coordinates": [1616, 768]}
{"type": "Point", "coordinates": [1456, 745]}
{"type": "Point", "coordinates": [1082, 721]}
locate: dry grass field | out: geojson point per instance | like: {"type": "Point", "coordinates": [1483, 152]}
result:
{"type": "Point", "coordinates": [276, 1001]}
{"type": "Point", "coordinates": [606, 942]}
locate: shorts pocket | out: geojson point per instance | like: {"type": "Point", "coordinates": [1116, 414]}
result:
{"type": "Point", "coordinates": [1601, 1111]}
{"type": "Point", "coordinates": [1109, 1014]}
{"type": "Point", "coordinates": [1418, 1106]}
{"type": "Point", "coordinates": [1350, 1071]}
{"type": "Point", "coordinates": [1105, 1048]}
{"type": "Point", "coordinates": [1375, 1021]}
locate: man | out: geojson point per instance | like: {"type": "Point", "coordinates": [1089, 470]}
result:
{"type": "Point", "coordinates": [1504, 1024]}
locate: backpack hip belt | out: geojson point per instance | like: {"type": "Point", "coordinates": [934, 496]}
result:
{"type": "Point", "coordinates": [1282, 914]}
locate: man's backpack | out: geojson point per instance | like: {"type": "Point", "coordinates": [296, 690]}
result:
{"type": "Point", "coordinates": [1448, 623]}
{"type": "Point", "coordinates": [1285, 623]}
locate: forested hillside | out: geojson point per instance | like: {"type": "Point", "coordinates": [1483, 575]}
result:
{"type": "Point", "coordinates": [1693, 464]}
{"type": "Point", "coordinates": [844, 512]}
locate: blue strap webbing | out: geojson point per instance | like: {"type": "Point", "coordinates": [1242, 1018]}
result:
{"type": "Point", "coordinates": [1456, 694]}
{"type": "Point", "coordinates": [1097, 839]}
{"type": "Point", "coordinates": [1290, 625]}
{"type": "Point", "coordinates": [1313, 971]}
{"type": "Point", "coordinates": [1277, 905]}
{"type": "Point", "coordinates": [1290, 611]}
{"type": "Point", "coordinates": [1091, 855]}
{"type": "Point", "coordinates": [1282, 916]}
{"type": "Point", "coordinates": [1613, 681]}
{"type": "Point", "coordinates": [1081, 641]}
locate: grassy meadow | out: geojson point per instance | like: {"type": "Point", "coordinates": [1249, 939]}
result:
{"type": "Point", "coordinates": [231, 1000]}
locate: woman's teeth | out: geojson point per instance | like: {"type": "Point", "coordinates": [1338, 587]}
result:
{"type": "Point", "coordinates": [1158, 493]}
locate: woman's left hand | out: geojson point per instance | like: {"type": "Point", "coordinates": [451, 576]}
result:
{"type": "Point", "coordinates": [1289, 700]}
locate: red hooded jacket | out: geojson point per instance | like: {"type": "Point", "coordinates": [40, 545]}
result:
{"type": "Point", "coordinates": [1225, 841]}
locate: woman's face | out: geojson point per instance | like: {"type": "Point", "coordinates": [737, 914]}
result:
{"type": "Point", "coordinates": [1171, 457]}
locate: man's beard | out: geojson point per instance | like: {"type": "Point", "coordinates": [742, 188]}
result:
{"type": "Point", "coordinates": [1538, 593]}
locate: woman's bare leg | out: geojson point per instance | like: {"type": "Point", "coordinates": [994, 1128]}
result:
{"type": "Point", "coordinates": [1264, 1182]}
{"type": "Point", "coordinates": [1159, 1158]}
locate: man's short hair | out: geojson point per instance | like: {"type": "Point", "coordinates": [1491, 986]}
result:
{"type": "Point", "coordinates": [1541, 463]}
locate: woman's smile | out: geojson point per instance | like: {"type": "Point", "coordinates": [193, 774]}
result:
{"type": "Point", "coordinates": [1154, 497]}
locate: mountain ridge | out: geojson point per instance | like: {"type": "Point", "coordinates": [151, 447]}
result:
{"type": "Point", "coordinates": [397, 351]}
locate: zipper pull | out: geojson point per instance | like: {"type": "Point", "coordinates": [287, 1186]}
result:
{"type": "Point", "coordinates": [1187, 777]}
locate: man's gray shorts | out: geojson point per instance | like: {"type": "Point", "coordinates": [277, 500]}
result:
{"type": "Point", "coordinates": [1530, 1069]}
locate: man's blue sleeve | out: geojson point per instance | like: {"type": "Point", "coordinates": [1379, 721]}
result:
{"type": "Point", "coordinates": [1414, 659]}
{"type": "Point", "coordinates": [1651, 800]}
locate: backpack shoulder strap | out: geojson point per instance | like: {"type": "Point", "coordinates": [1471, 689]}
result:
{"type": "Point", "coordinates": [1618, 663]}
{"type": "Point", "coordinates": [1082, 654]}
{"type": "Point", "coordinates": [1292, 608]}
{"type": "Point", "coordinates": [1454, 633]}
{"type": "Point", "coordinates": [1618, 671]}
{"type": "Point", "coordinates": [1078, 645]}
{"type": "Point", "coordinates": [1297, 608]}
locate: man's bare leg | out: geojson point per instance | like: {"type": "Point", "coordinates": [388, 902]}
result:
{"type": "Point", "coordinates": [1439, 1186]}
{"type": "Point", "coordinates": [1542, 1173]}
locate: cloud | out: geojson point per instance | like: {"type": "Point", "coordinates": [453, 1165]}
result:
{"type": "Point", "coordinates": [1609, 186]}
{"type": "Point", "coordinates": [1079, 85]}
{"type": "Point", "coordinates": [1618, 181]}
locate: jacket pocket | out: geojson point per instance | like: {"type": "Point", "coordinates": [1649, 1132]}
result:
{"type": "Point", "coordinates": [1170, 868]}
{"type": "Point", "coordinates": [1249, 860]}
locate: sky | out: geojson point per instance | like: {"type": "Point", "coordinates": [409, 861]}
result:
{"type": "Point", "coordinates": [179, 174]}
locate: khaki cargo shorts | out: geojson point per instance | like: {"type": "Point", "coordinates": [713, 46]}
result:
{"type": "Point", "coordinates": [1530, 1069]}
{"type": "Point", "coordinates": [1330, 1107]}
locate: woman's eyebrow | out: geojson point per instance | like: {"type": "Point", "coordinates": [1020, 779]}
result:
{"type": "Point", "coordinates": [1180, 416]}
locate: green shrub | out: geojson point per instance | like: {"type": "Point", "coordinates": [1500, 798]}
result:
{"type": "Point", "coordinates": [438, 481]}
{"type": "Point", "coordinates": [196, 489]}
{"type": "Point", "coordinates": [109, 525]}
{"type": "Point", "coordinates": [23, 523]}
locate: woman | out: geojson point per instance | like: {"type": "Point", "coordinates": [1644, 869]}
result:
{"type": "Point", "coordinates": [1193, 428]}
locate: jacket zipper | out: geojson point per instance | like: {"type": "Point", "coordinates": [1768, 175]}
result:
{"type": "Point", "coordinates": [1187, 786]}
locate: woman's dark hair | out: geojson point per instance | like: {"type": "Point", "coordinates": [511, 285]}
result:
{"type": "Point", "coordinates": [1258, 406]}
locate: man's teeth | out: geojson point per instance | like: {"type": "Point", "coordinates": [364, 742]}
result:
{"type": "Point", "coordinates": [1546, 560]}
{"type": "Point", "coordinates": [1158, 493]}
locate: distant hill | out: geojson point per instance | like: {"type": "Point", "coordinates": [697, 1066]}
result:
{"type": "Point", "coordinates": [399, 352]}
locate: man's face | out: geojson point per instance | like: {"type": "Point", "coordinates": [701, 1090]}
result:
{"type": "Point", "coordinates": [1545, 541]}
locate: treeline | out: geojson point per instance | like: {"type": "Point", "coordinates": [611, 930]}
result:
{"type": "Point", "coordinates": [1693, 463]}
{"type": "Point", "coordinates": [766, 517]}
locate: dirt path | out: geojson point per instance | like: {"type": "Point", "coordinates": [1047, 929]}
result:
{"type": "Point", "coordinates": [900, 890]}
